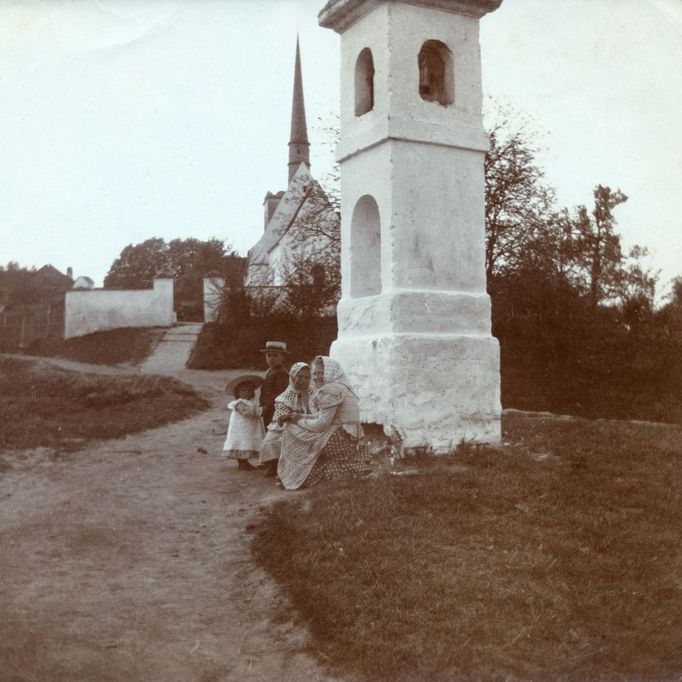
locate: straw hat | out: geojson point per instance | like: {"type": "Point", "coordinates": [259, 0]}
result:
{"type": "Point", "coordinates": [233, 385]}
{"type": "Point", "coordinates": [278, 346]}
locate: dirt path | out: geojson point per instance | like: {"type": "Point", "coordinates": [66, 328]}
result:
{"type": "Point", "coordinates": [128, 560]}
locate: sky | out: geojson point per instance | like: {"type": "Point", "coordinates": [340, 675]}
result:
{"type": "Point", "coordinates": [122, 120]}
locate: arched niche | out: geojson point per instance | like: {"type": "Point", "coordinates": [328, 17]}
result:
{"type": "Point", "coordinates": [436, 75]}
{"type": "Point", "coordinates": [364, 82]}
{"type": "Point", "coordinates": [365, 246]}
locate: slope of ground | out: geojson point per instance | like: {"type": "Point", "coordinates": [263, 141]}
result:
{"type": "Point", "coordinates": [115, 347]}
{"type": "Point", "coordinates": [555, 558]}
{"type": "Point", "coordinates": [44, 405]}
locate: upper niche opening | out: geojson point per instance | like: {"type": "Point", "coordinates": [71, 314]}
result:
{"type": "Point", "coordinates": [436, 78]}
{"type": "Point", "coordinates": [364, 82]}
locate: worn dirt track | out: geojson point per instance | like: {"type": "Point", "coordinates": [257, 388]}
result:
{"type": "Point", "coordinates": [128, 560]}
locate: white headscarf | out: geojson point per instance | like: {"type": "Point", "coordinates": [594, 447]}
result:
{"type": "Point", "coordinates": [333, 374]}
{"type": "Point", "coordinates": [291, 400]}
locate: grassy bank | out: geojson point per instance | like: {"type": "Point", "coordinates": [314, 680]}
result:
{"type": "Point", "coordinates": [555, 559]}
{"type": "Point", "coordinates": [115, 347]}
{"type": "Point", "coordinates": [42, 405]}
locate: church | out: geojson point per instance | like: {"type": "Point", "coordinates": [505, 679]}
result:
{"type": "Point", "coordinates": [300, 247]}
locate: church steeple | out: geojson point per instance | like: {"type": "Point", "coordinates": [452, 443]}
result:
{"type": "Point", "coordinates": [299, 147]}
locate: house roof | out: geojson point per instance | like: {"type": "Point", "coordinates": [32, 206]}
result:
{"type": "Point", "coordinates": [48, 273]}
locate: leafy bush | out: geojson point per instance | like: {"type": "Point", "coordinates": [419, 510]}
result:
{"type": "Point", "coordinates": [244, 326]}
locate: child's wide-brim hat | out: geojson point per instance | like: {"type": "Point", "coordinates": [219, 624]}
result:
{"type": "Point", "coordinates": [233, 385]}
{"type": "Point", "coordinates": [278, 346]}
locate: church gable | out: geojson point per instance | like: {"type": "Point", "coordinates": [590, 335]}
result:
{"type": "Point", "coordinates": [293, 229]}
{"type": "Point", "coordinates": [299, 249]}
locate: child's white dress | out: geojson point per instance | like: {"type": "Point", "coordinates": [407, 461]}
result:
{"type": "Point", "coordinates": [245, 431]}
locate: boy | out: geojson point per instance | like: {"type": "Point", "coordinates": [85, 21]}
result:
{"type": "Point", "coordinates": [276, 379]}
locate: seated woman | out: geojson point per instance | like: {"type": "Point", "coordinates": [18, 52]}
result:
{"type": "Point", "coordinates": [327, 445]}
{"type": "Point", "coordinates": [297, 398]}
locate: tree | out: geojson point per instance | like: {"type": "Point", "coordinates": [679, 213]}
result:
{"type": "Point", "coordinates": [518, 203]}
{"type": "Point", "coordinates": [303, 277]}
{"type": "Point", "coordinates": [311, 284]}
{"type": "Point", "coordinates": [669, 317]}
{"type": "Point", "coordinates": [311, 270]}
{"type": "Point", "coordinates": [138, 264]}
{"type": "Point", "coordinates": [599, 244]}
{"type": "Point", "coordinates": [186, 260]}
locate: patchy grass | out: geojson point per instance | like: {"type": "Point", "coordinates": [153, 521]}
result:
{"type": "Point", "coordinates": [116, 347]}
{"type": "Point", "coordinates": [41, 405]}
{"type": "Point", "coordinates": [555, 558]}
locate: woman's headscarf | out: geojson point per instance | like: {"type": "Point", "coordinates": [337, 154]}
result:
{"type": "Point", "coordinates": [333, 374]}
{"type": "Point", "coordinates": [289, 399]}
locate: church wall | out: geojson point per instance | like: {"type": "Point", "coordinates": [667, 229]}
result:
{"type": "Point", "coordinates": [101, 309]}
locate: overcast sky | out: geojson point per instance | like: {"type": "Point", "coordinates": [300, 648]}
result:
{"type": "Point", "coordinates": [122, 120]}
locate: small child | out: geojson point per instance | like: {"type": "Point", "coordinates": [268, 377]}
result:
{"type": "Point", "coordinates": [245, 429]}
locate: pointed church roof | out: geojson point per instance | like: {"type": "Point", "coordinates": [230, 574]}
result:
{"type": "Point", "coordinates": [300, 188]}
{"type": "Point", "coordinates": [299, 146]}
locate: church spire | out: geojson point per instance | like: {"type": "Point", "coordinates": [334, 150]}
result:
{"type": "Point", "coordinates": [299, 147]}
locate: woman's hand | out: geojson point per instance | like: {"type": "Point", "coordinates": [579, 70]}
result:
{"type": "Point", "coordinates": [289, 418]}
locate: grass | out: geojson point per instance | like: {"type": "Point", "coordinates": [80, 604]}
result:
{"type": "Point", "coordinates": [128, 346]}
{"type": "Point", "coordinates": [41, 405]}
{"type": "Point", "coordinates": [555, 558]}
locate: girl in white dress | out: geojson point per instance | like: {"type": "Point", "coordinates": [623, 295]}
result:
{"type": "Point", "coordinates": [245, 429]}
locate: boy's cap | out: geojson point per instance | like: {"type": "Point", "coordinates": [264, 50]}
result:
{"type": "Point", "coordinates": [233, 385]}
{"type": "Point", "coordinates": [275, 346]}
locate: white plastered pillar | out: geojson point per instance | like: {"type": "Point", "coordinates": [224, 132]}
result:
{"type": "Point", "coordinates": [414, 317]}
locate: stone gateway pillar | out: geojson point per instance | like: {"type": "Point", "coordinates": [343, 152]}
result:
{"type": "Point", "coordinates": [414, 316]}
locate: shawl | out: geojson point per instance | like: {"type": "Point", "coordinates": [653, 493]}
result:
{"type": "Point", "coordinates": [301, 448]}
{"type": "Point", "coordinates": [333, 374]}
{"type": "Point", "coordinates": [291, 400]}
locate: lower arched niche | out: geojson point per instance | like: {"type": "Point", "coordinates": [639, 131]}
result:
{"type": "Point", "coordinates": [365, 247]}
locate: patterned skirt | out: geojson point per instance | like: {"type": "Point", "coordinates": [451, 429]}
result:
{"type": "Point", "coordinates": [341, 457]}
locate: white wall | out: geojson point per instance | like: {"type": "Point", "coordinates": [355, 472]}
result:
{"type": "Point", "coordinates": [101, 309]}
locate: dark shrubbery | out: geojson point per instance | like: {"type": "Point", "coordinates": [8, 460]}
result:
{"type": "Point", "coordinates": [243, 328]}
{"type": "Point", "coordinates": [561, 354]}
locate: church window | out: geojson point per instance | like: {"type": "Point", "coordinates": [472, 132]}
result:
{"type": "Point", "coordinates": [364, 82]}
{"type": "Point", "coordinates": [436, 79]}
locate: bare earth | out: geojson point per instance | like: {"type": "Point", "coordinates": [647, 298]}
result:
{"type": "Point", "coordinates": [128, 560]}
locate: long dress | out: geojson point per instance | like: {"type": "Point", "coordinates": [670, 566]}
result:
{"type": "Point", "coordinates": [245, 430]}
{"type": "Point", "coordinates": [291, 401]}
{"type": "Point", "coordinates": [325, 446]}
